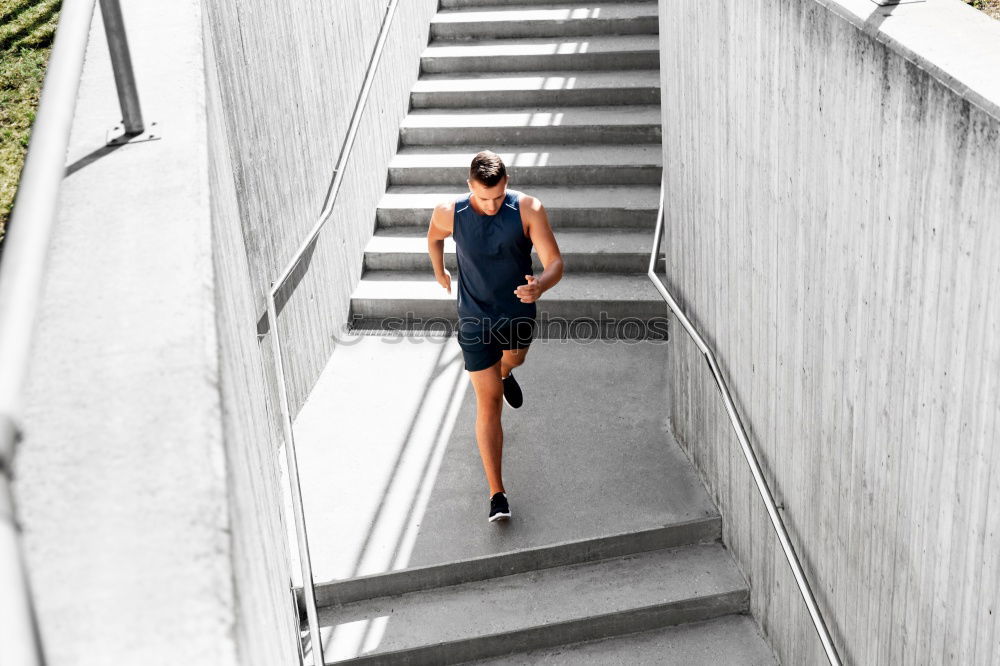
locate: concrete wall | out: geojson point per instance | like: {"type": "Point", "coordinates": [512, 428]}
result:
{"type": "Point", "coordinates": [149, 479]}
{"type": "Point", "coordinates": [832, 195]}
{"type": "Point", "coordinates": [282, 83]}
{"type": "Point", "coordinates": [267, 628]}
{"type": "Point", "coordinates": [289, 75]}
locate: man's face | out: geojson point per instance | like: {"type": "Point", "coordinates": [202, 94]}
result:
{"type": "Point", "coordinates": [488, 199]}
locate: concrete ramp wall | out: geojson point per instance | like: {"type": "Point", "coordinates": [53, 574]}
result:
{"type": "Point", "coordinates": [832, 206]}
{"type": "Point", "coordinates": [282, 80]}
{"type": "Point", "coordinates": [148, 480]}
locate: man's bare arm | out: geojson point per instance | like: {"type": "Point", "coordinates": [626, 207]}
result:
{"type": "Point", "coordinates": [533, 213]}
{"type": "Point", "coordinates": [440, 227]}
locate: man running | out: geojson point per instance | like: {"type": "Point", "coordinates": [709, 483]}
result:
{"type": "Point", "coordinates": [494, 231]}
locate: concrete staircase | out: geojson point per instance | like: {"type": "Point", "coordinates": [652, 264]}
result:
{"type": "Point", "coordinates": [568, 95]}
{"type": "Point", "coordinates": [613, 554]}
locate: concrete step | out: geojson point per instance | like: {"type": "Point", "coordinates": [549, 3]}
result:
{"type": "Point", "coordinates": [585, 300]}
{"type": "Point", "coordinates": [583, 251]}
{"type": "Point", "coordinates": [586, 164]}
{"type": "Point", "coordinates": [548, 88]}
{"type": "Point", "coordinates": [701, 530]}
{"type": "Point", "coordinates": [452, 4]}
{"type": "Point", "coordinates": [540, 609]}
{"type": "Point", "coordinates": [549, 20]}
{"type": "Point", "coordinates": [731, 640]}
{"type": "Point", "coordinates": [598, 206]}
{"type": "Point", "coordinates": [569, 124]}
{"type": "Point", "coordinates": [617, 52]}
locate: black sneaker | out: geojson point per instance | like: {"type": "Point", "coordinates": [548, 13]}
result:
{"type": "Point", "coordinates": [512, 392]}
{"type": "Point", "coordinates": [499, 509]}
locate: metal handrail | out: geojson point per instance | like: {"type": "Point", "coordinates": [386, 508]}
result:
{"type": "Point", "coordinates": [748, 452]}
{"type": "Point", "coordinates": [305, 561]}
{"type": "Point", "coordinates": [22, 273]}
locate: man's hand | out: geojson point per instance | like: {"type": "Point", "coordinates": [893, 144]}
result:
{"type": "Point", "coordinates": [529, 293]}
{"type": "Point", "coordinates": [444, 279]}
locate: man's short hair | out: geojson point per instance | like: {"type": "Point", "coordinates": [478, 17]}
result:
{"type": "Point", "coordinates": [487, 168]}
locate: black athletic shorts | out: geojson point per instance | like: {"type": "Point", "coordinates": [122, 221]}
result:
{"type": "Point", "coordinates": [483, 341]}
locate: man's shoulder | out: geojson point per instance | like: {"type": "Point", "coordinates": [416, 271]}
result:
{"type": "Point", "coordinates": [443, 216]}
{"type": "Point", "coordinates": [527, 203]}
{"type": "Point", "coordinates": [446, 209]}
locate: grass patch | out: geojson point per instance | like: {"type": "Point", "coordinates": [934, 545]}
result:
{"type": "Point", "coordinates": [27, 28]}
{"type": "Point", "coordinates": [990, 7]}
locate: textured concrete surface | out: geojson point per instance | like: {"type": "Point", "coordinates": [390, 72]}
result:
{"type": "Point", "coordinates": [268, 628]}
{"type": "Point", "coordinates": [449, 4]}
{"type": "Point", "coordinates": [283, 81]}
{"type": "Point", "coordinates": [555, 88]}
{"type": "Point", "coordinates": [597, 296]}
{"type": "Point", "coordinates": [732, 640]}
{"type": "Point", "coordinates": [147, 482]}
{"type": "Point", "coordinates": [571, 124]}
{"type": "Point", "coordinates": [548, 164]}
{"type": "Point", "coordinates": [289, 75]}
{"type": "Point", "coordinates": [396, 499]}
{"type": "Point", "coordinates": [582, 250]}
{"type": "Point", "coordinates": [551, 144]}
{"type": "Point", "coordinates": [706, 529]}
{"type": "Point", "coordinates": [392, 475]}
{"type": "Point", "coordinates": [566, 206]}
{"type": "Point", "coordinates": [542, 53]}
{"type": "Point", "coordinates": [833, 181]}
{"type": "Point", "coordinates": [615, 18]}
{"type": "Point", "coordinates": [122, 477]}
{"type": "Point", "coordinates": [543, 608]}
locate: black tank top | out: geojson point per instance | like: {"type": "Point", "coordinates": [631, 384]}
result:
{"type": "Point", "coordinates": [493, 257]}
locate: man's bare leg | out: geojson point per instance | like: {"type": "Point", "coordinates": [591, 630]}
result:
{"type": "Point", "coordinates": [511, 359]}
{"type": "Point", "coordinates": [489, 405]}
{"type": "Point", "coordinates": [489, 433]}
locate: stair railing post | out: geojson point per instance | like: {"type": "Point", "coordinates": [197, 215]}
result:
{"type": "Point", "coordinates": [121, 63]}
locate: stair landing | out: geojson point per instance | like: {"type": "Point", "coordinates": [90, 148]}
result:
{"type": "Point", "coordinates": [607, 510]}
{"type": "Point", "coordinates": [392, 477]}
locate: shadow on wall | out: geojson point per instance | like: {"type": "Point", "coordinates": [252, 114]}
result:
{"type": "Point", "coordinates": [288, 288]}
{"type": "Point", "coordinates": [878, 16]}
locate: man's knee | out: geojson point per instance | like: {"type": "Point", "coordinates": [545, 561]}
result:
{"type": "Point", "coordinates": [489, 400]}
{"type": "Point", "coordinates": [512, 360]}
